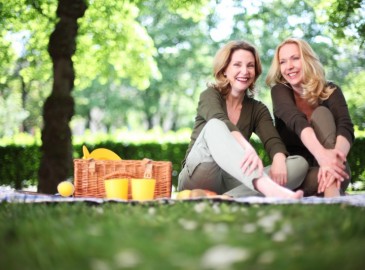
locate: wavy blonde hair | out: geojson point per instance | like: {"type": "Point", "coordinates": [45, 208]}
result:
{"type": "Point", "coordinates": [315, 87]}
{"type": "Point", "coordinates": [223, 58]}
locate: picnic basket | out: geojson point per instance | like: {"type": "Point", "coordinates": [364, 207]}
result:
{"type": "Point", "coordinates": [90, 174]}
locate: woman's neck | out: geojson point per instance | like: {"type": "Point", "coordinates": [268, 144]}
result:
{"type": "Point", "coordinates": [235, 101]}
{"type": "Point", "coordinates": [298, 90]}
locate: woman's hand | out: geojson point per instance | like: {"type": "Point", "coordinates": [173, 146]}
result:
{"type": "Point", "coordinates": [278, 171]}
{"type": "Point", "coordinates": [332, 162]}
{"type": "Point", "coordinates": [326, 180]}
{"type": "Point", "coordinates": [251, 161]}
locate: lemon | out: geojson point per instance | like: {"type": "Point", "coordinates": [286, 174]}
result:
{"type": "Point", "coordinates": [65, 188]}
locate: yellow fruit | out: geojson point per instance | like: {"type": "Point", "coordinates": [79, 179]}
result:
{"type": "Point", "coordinates": [210, 193]}
{"type": "Point", "coordinates": [65, 188]}
{"type": "Point", "coordinates": [197, 193]}
{"type": "Point", "coordinates": [104, 154]}
{"type": "Point", "coordinates": [85, 152]}
{"type": "Point", "coordinates": [184, 194]}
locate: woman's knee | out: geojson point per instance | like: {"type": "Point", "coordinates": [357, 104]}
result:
{"type": "Point", "coordinates": [297, 168]}
{"type": "Point", "coordinates": [298, 163]}
{"type": "Point", "coordinates": [214, 124]}
{"type": "Point", "coordinates": [324, 126]}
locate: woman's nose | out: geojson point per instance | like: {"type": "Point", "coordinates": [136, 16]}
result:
{"type": "Point", "coordinates": [244, 70]}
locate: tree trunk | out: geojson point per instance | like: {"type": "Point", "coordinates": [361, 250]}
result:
{"type": "Point", "coordinates": [56, 162]}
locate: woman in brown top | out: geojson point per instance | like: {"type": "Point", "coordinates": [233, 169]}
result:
{"type": "Point", "coordinates": [311, 116]}
{"type": "Point", "coordinates": [219, 157]}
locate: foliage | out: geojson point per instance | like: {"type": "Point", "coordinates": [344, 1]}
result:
{"type": "Point", "coordinates": [20, 162]}
{"type": "Point", "coordinates": [347, 18]}
{"type": "Point", "coordinates": [355, 97]}
{"type": "Point", "coordinates": [141, 64]}
{"type": "Point", "coordinates": [182, 60]}
{"type": "Point", "coordinates": [182, 235]}
{"type": "Point", "coordinates": [11, 114]}
{"type": "Point", "coordinates": [120, 47]}
{"type": "Point", "coordinates": [163, 48]}
{"type": "Point", "coordinates": [27, 68]}
{"type": "Point", "coordinates": [19, 165]}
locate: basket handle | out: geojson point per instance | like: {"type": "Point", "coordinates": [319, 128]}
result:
{"type": "Point", "coordinates": [147, 172]}
{"type": "Point", "coordinates": [148, 167]}
{"type": "Point", "coordinates": [118, 173]}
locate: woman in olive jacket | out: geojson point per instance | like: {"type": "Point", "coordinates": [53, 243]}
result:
{"type": "Point", "coordinates": [312, 117]}
{"type": "Point", "coordinates": [219, 157]}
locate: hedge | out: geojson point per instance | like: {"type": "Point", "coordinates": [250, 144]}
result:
{"type": "Point", "coordinates": [19, 164]}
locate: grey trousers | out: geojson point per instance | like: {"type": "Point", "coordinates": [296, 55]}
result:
{"type": "Point", "coordinates": [323, 124]}
{"type": "Point", "coordinates": [214, 164]}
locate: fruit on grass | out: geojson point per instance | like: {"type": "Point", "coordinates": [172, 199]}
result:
{"type": "Point", "coordinates": [100, 153]}
{"type": "Point", "coordinates": [210, 193]}
{"type": "Point", "coordinates": [65, 188]}
{"type": "Point", "coordinates": [184, 194]}
{"type": "Point", "coordinates": [197, 193]}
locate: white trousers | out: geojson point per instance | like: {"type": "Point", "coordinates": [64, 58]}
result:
{"type": "Point", "coordinates": [214, 164]}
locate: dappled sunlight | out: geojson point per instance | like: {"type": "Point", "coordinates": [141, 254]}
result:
{"type": "Point", "coordinates": [223, 257]}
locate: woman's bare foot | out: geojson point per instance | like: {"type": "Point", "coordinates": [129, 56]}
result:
{"type": "Point", "coordinates": [271, 189]}
{"type": "Point", "coordinates": [298, 194]}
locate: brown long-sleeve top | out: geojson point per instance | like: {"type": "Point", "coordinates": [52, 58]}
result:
{"type": "Point", "coordinates": [290, 121]}
{"type": "Point", "coordinates": [254, 118]}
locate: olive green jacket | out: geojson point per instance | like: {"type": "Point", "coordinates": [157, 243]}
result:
{"type": "Point", "coordinates": [255, 118]}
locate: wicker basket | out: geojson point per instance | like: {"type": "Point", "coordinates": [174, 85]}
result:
{"type": "Point", "coordinates": [89, 175]}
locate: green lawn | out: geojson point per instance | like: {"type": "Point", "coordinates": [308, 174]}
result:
{"type": "Point", "coordinates": [184, 235]}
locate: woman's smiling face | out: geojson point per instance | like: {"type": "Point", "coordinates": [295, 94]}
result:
{"type": "Point", "coordinates": [240, 71]}
{"type": "Point", "coordinates": [291, 64]}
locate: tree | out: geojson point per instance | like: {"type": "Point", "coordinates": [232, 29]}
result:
{"type": "Point", "coordinates": [183, 59]}
{"type": "Point", "coordinates": [56, 160]}
{"type": "Point", "coordinates": [355, 96]}
{"type": "Point", "coordinates": [26, 64]}
{"type": "Point", "coordinates": [347, 18]}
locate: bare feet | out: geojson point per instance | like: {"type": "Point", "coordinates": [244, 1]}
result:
{"type": "Point", "coordinates": [298, 194]}
{"type": "Point", "coordinates": [271, 189]}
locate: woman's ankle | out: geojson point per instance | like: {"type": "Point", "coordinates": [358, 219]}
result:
{"type": "Point", "coordinates": [332, 191]}
{"type": "Point", "coordinates": [271, 189]}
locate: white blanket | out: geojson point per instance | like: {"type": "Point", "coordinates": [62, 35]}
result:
{"type": "Point", "coordinates": [12, 196]}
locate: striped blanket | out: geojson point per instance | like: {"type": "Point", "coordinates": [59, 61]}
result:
{"type": "Point", "coordinates": [13, 196]}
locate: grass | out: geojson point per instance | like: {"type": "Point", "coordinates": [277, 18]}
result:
{"type": "Point", "coordinates": [184, 235]}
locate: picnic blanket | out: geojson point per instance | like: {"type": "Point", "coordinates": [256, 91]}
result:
{"type": "Point", "coordinates": [13, 196]}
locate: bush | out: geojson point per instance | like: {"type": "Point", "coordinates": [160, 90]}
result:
{"type": "Point", "coordinates": [19, 164]}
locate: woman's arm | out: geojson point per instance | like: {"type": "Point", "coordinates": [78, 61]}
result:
{"type": "Point", "coordinates": [278, 170]}
{"type": "Point", "coordinates": [284, 108]}
{"type": "Point", "coordinates": [270, 138]}
{"type": "Point", "coordinates": [342, 145]}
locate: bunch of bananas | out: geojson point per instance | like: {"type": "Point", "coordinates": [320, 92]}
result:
{"type": "Point", "coordinates": [99, 153]}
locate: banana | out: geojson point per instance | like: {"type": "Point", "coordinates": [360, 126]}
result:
{"type": "Point", "coordinates": [104, 154]}
{"type": "Point", "coordinates": [100, 153]}
{"type": "Point", "coordinates": [85, 151]}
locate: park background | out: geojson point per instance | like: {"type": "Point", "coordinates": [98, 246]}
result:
{"type": "Point", "coordinates": [139, 67]}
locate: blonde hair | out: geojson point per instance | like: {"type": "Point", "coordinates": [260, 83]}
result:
{"type": "Point", "coordinates": [223, 58]}
{"type": "Point", "coordinates": [314, 84]}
